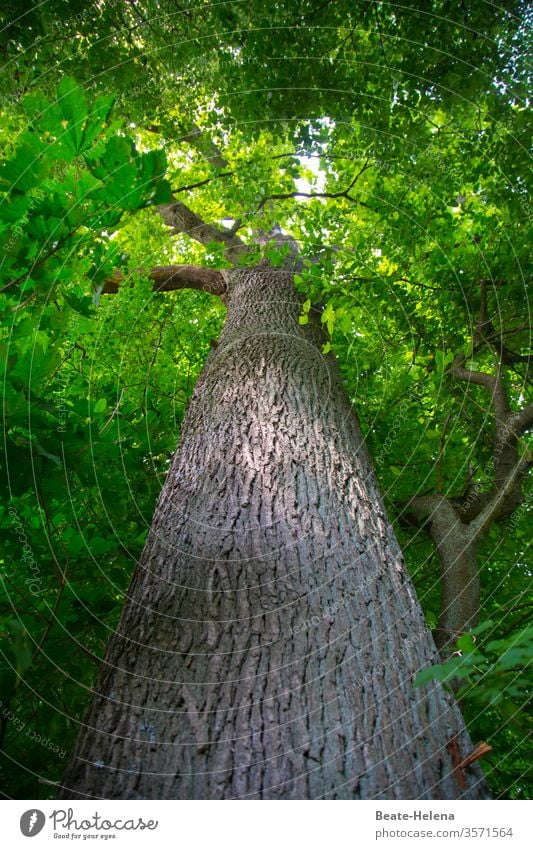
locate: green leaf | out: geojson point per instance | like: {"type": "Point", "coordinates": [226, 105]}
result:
{"type": "Point", "coordinates": [73, 108]}
{"type": "Point", "coordinates": [25, 171]}
{"type": "Point", "coordinates": [466, 644]}
{"type": "Point", "coordinates": [97, 121]}
{"type": "Point", "coordinates": [328, 318]}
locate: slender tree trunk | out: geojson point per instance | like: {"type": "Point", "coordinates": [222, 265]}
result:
{"type": "Point", "coordinates": [271, 635]}
{"type": "Point", "coordinates": [460, 590]}
{"type": "Point", "coordinates": [456, 544]}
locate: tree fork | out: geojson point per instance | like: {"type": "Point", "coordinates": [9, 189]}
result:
{"type": "Point", "coordinates": [456, 525]}
{"type": "Point", "coordinates": [170, 278]}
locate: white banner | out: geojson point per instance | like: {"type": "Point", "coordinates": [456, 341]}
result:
{"type": "Point", "coordinates": [267, 825]}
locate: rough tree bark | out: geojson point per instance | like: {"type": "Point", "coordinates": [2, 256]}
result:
{"type": "Point", "coordinates": [455, 544]}
{"type": "Point", "coordinates": [271, 634]}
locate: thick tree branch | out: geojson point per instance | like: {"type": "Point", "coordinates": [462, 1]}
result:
{"type": "Point", "coordinates": [425, 505]}
{"type": "Point", "coordinates": [498, 503]}
{"type": "Point", "coordinates": [169, 278]}
{"type": "Point", "coordinates": [181, 219]}
{"type": "Point", "coordinates": [480, 378]}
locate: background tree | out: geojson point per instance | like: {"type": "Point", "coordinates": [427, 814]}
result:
{"type": "Point", "coordinates": [409, 132]}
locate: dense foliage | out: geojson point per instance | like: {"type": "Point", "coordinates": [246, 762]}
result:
{"type": "Point", "coordinates": [391, 142]}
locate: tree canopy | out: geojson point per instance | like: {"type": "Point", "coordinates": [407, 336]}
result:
{"type": "Point", "coordinates": [391, 142]}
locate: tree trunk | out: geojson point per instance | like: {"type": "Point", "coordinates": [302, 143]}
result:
{"type": "Point", "coordinates": [271, 635]}
{"type": "Point", "coordinates": [460, 584]}
{"type": "Point", "coordinates": [456, 544]}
